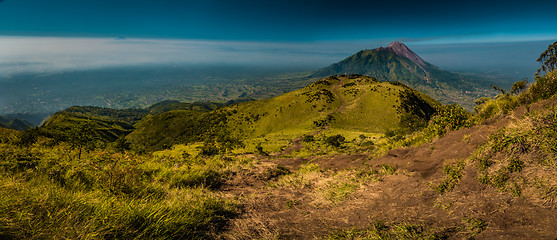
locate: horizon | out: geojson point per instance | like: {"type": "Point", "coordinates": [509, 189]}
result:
{"type": "Point", "coordinates": [33, 54]}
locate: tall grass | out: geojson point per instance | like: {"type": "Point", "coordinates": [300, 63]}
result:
{"type": "Point", "coordinates": [46, 194]}
{"type": "Point", "coordinates": [516, 156]}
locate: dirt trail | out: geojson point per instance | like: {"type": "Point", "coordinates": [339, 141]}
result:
{"type": "Point", "coordinates": [300, 212]}
{"type": "Point", "coordinates": [335, 92]}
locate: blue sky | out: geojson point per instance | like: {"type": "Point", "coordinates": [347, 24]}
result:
{"type": "Point", "coordinates": [285, 20]}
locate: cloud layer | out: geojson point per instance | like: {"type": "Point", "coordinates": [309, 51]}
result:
{"type": "Point", "coordinates": [20, 55]}
{"type": "Point", "coordinates": [47, 54]}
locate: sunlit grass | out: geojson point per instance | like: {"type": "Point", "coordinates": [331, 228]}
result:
{"type": "Point", "coordinates": [48, 194]}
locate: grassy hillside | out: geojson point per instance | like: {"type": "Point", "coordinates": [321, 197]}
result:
{"type": "Point", "coordinates": [105, 125]}
{"type": "Point", "coordinates": [100, 124]}
{"type": "Point", "coordinates": [48, 192]}
{"type": "Point", "coordinates": [349, 103]}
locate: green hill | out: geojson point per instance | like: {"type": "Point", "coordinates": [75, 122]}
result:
{"type": "Point", "coordinates": [107, 125]}
{"type": "Point", "coordinates": [350, 103]}
{"type": "Point", "coordinates": [103, 124]}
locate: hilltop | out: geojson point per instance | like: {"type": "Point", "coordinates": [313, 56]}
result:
{"type": "Point", "coordinates": [354, 103]}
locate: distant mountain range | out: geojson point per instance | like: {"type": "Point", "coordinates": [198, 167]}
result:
{"type": "Point", "coordinates": [397, 63]}
{"type": "Point", "coordinates": [14, 123]}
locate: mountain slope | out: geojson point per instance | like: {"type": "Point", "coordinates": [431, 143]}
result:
{"type": "Point", "coordinates": [108, 124]}
{"type": "Point", "coordinates": [397, 62]}
{"type": "Point", "coordinates": [493, 180]}
{"type": "Point", "coordinates": [441, 189]}
{"type": "Point", "coordinates": [354, 103]}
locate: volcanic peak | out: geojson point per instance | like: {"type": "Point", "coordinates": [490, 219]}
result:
{"type": "Point", "coordinates": [403, 51]}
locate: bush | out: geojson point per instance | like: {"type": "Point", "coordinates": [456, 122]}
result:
{"type": "Point", "coordinates": [260, 151]}
{"type": "Point", "coordinates": [450, 117]}
{"type": "Point", "coordinates": [544, 88]}
{"type": "Point", "coordinates": [210, 150]}
{"type": "Point", "coordinates": [308, 138]}
{"type": "Point", "coordinates": [335, 140]}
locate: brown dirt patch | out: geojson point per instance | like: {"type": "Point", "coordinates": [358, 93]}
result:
{"type": "Point", "coordinates": [301, 212]}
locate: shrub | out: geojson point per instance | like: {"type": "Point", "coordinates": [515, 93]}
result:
{"type": "Point", "coordinates": [515, 165]}
{"type": "Point", "coordinates": [543, 88]}
{"type": "Point", "coordinates": [260, 151]}
{"type": "Point", "coordinates": [453, 174]}
{"type": "Point", "coordinates": [308, 138]}
{"type": "Point", "coordinates": [449, 117]}
{"type": "Point", "coordinates": [335, 140]}
{"type": "Point", "coordinates": [209, 150]}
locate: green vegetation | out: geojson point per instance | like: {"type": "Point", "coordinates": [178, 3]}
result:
{"type": "Point", "coordinates": [527, 145]}
{"type": "Point", "coordinates": [386, 65]}
{"type": "Point", "coordinates": [346, 103]}
{"type": "Point", "coordinates": [184, 170]}
{"type": "Point", "coordinates": [382, 230]}
{"type": "Point", "coordinates": [531, 144]}
{"type": "Point", "coordinates": [544, 87]}
{"type": "Point", "coordinates": [470, 228]}
{"type": "Point", "coordinates": [453, 174]}
{"type": "Point", "coordinates": [161, 131]}
{"type": "Point", "coordinates": [447, 118]}
{"type": "Point", "coordinates": [474, 226]}
{"type": "Point", "coordinates": [14, 123]}
{"type": "Point", "coordinates": [335, 140]}
{"type": "Point", "coordinates": [105, 194]}
{"type": "Point", "coordinates": [548, 59]}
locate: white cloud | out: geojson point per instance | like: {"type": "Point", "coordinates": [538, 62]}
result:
{"type": "Point", "coordinates": [50, 54]}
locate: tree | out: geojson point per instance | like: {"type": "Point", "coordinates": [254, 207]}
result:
{"type": "Point", "coordinates": [548, 59]}
{"type": "Point", "coordinates": [501, 90]}
{"type": "Point", "coordinates": [519, 86]}
{"type": "Point", "coordinates": [82, 137]}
